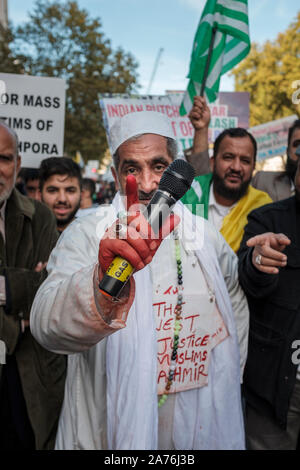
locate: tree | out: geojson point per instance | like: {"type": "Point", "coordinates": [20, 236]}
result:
{"type": "Point", "coordinates": [9, 63]}
{"type": "Point", "coordinates": [270, 74]}
{"type": "Point", "coordinates": [61, 40]}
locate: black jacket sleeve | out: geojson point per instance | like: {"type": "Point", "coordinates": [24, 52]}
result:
{"type": "Point", "coordinates": [22, 281]}
{"type": "Point", "coordinates": [254, 282]}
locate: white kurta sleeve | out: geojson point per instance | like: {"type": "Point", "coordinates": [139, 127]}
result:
{"type": "Point", "coordinates": [66, 315]}
{"type": "Point", "coordinates": [229, 266]}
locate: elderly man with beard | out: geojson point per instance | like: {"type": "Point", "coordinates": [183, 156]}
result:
{"type": "Point", "coordinates": [225, 194]}
{"type": "Point", "coordinates": [31, 378]}
{"type": "Point", "coordinates": [269, 271]}
{"type": "Point", "coordinates": [129, 385]}
{"type": "Point", "coordinates": [60, 185]}
{"type": "Point", "coordinates": [277, 184]}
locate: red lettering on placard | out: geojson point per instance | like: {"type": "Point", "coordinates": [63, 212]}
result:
{"type": "Point", "coordinates": [202, 341]}
{"type": "Point", "coordinates": [171, 290]}
{"type": "Point", "coordinates": [158, 305]}
{"type": "Point", "coordinates": [190, 340]}
{"type": "Point", "coordinates": [219, 111]}
{"type": "Point", "coordinates": [168, 310]}
{"type": "Point", "coordinates": [168, 324]}
{"type": "Point", "coordinates": [192, 317]}
{"type": "Point", "coordinates": [164, 343]}
{"type": "Point", "coordinates": [165, 358]}
{"type": "Point", "coordinates": [184, 128]}
{"type": "Point", "coordinates": [187, 373]}
{"type": "Point", "coordinates": [180, 358]}
{"type": "Point", "coordinates": [165, 325]}
{"type": "Point", "coordinates": [219, 330]}
{"type": "Point", "coordinates": [112, 110]}
{"type": "Point", "coordinates": [173, 123]}
{"type": "Point", "coordinates": [168, 291]}
{"type": "Point", "coordinates": [200, 371]}
{"type": "Point", "coordinates": [162, 375]}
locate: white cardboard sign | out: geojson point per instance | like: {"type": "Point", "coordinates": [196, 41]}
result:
{"type": "Point", "coordinates": [35, 108]}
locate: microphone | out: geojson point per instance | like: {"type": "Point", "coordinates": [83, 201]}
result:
{"type": "Point", "coordinates": [176, 180]}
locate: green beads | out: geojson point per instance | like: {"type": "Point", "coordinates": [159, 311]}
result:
{"type": "Point", "coordinates": [177, 324]}
{"type": "Point", "coordinates": [162, 400]}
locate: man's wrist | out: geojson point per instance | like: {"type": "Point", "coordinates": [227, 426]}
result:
{"type": "Point", "coordinates": [109, 307]}
{"type": "Point", "coordinates": [201, 130]}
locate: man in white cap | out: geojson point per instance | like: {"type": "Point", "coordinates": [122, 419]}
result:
{"type": "Point", "coordinates": [159, 367]}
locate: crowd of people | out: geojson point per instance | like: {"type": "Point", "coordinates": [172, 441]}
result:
{"type": "Point", "coordinates": [198, 349]}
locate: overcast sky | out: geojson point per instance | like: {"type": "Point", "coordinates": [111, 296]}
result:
{"type": "Point", "coordinates": [143, 27]}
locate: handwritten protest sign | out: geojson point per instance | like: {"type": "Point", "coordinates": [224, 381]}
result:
{"type": "Point", "coordinates": [202, 328]}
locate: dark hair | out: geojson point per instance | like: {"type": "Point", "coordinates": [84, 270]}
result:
{"type": "Point", "coordinates": [59, 166]}
{"type": "Point", "coordinates": [89, 184]}
{"type": "Point", "coordinates": [234, 132]}
{"type": "Point", "coordinates": [29, 174]}
{"type": "Point", "coordinates": [296, 125]}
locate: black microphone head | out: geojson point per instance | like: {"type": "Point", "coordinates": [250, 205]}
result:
{"type": "Point", "coordinates": [177, 178]}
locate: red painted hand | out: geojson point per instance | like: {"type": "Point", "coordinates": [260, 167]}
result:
{"type": "Point", "coordinates": [133, 239]}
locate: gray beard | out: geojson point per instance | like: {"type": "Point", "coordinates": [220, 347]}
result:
{"type": "Point", "coordinates": [7, 191]}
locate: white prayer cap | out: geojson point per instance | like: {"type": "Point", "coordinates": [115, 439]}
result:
{"type": "Point", "coordinates": [143, 122]}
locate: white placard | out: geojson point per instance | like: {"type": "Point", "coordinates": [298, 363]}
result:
{"type": "Point", "coordinates": [272, 137]}
{"type": "Point", "coordinates": [35, 108]}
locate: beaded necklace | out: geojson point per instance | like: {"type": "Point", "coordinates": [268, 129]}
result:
{"type": "Point", "coordinates": [178, 317]}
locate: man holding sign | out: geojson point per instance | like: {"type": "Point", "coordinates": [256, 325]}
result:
{"type": "Point", "coordinates": [159, 366]}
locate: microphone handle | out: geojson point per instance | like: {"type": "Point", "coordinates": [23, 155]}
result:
{"type": "Point", "coordinates": [120, 269]}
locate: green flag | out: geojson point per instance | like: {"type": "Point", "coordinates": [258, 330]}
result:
{"type": "Point", "coordinates": [221, 41]}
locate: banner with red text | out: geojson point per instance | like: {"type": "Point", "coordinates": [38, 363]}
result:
{"type": "Point", "coordinates": [230, 110]}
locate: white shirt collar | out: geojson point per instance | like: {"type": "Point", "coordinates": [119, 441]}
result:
{"type": "Point", "coordinates": [212, 200]}
{"type": "Point", "coordinates": [213, 203]}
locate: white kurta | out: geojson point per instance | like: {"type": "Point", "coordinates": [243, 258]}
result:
{"type": "Point", "coordinates": [65, 319]}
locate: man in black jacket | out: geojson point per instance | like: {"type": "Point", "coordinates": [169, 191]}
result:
{"type": "Point", "coordinates": [31, 378]}
{"type": "Point", "coordinates": [269, 269]}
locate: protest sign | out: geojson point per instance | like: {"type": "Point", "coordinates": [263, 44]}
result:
{"type": "Point", "coordinates": [230, 110]}
{"type": "Point", "coordinates": [35, 108]}
{"type": "Point", "coordinates": [272, 137]}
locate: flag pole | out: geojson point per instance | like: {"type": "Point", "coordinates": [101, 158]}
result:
{"type": "Point", "coordinates": [205, 75]}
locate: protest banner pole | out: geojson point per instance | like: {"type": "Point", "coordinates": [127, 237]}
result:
{"type": "Point", "coordinates": [211, 46]}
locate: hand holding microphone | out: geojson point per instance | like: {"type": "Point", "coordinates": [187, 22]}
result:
{"type": "Point", "coordinates": [133, 239]}
{"type": "Point", "coordinates": [128, 248]}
